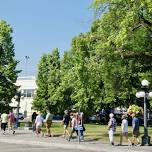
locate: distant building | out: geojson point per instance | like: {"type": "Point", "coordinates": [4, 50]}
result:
{"type": "Point", "coordinates": [27, 87]}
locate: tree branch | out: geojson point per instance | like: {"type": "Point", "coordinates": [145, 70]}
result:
{"type": "Point", "coordinates": [145, 55]}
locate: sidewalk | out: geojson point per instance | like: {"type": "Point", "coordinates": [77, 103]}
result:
{"type": "Point", "coordinates": [26, 137]}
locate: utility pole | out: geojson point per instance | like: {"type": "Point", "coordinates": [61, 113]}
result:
{"type": "Point", "coordinates": [26, 65]}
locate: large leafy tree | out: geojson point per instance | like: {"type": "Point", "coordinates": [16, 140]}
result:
{"type": "Point", "coordinates": [104, 66]}
{"type": "Point", "coordinates": [129, 23]}
{"type": "Point", "coordinates": [66, 87]}
{"type": "Point", "coordinates": [41, 97]}
{"type": "Point", "coordinates": [54, 81]}
{"type": "Point", "coordinates": [87, 89]}
{"type": "Point", "coordinates": [124, 28]}
{"type": "Point", "coordinates": [8, 72]}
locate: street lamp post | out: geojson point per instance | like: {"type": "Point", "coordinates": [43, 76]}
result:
{"type": "Point", "coordinates": [145, 94]}
{"type": "Point", "coordinates": [18, 98]}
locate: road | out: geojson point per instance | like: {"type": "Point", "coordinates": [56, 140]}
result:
{"type": "Point", "coordinates": [6, 147]}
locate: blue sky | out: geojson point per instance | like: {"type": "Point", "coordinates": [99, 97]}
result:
{"type": "Point", "coordinates": [41, 25]}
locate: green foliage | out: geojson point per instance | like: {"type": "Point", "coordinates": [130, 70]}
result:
{"type": "Point", "coordinates": [104, 66]}
{"type": "Point", "coordinates": [8, 72]}
{"type": "Point", "coordinates": [138, 111]}
{"type": "Point", "coordinates": [53, 80]}
{"type": "Point", "coordinates": [48, 80]}
{"type": "Point", "coordinates": [41, 97]}
{"type": "Point", "coordinates": [125, 31]}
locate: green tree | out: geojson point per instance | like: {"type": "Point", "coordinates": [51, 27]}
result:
{"type": "Point", "coordinates": [86, 81]}
{"type": "Point", "coordinates": [54, 82]}
{"type": "Point", "coordinates": [66, 87]}
{"type": "Point", "coordinates": [8, 72]}
{"type": "Point", "coordinates": [42, 95]}
{"type": "Point", "coordinates": [125, 29]}
{"type": "Point", "coordinates": [104, 66]}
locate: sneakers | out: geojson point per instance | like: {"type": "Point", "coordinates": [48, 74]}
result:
{"type": "Point", "coordinates": [14, 132]}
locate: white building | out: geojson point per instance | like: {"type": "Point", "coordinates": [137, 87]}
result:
{"type": "Point", "coordinates": [27, 87]}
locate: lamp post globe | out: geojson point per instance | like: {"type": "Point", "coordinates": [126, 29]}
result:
{"type": "Point", "coordinates": [140, 94]}
{"type": "Point", "coordinates": [145, 94]}
{"type": "Point", "coordinates": [144, 83]}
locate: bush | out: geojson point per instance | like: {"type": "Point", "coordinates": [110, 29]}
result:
{"type": "Point", "coordinates": [138, 111]}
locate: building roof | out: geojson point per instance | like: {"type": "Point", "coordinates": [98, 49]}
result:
{"type": "Point", "coordinates": [26, 78]}
{"type": "Point", "coordinates": [26, 82]}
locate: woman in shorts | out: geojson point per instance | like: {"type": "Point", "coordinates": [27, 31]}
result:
{"type": "Point", "coordinates": [39, 123]}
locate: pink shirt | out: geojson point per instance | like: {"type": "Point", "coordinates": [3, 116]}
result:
{"type": "Point", "coordinates": [11, 117]}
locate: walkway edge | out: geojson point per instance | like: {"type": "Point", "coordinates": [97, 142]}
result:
{"type": "Point", "coordinates": [59, 145]}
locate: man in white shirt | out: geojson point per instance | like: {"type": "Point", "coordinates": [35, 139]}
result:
{"type": "Point", "coordinates": [124, 129]}
{"type": "Point", "coordinates": [4, 119]}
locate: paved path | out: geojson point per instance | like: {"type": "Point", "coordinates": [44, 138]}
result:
{"type": "Point", "coordinates": [7, 147]}
{"type": "Point", "coordinates": [26, 139]}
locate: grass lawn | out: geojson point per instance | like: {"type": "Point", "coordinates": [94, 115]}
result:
{"type": "Point", "coordinates": [96, 132]}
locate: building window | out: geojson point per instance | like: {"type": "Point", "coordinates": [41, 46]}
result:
{"type": "Point", "coordinates": [28, 93]}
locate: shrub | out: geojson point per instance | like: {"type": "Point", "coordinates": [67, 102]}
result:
{"type": "Point", "coordinates": [135, 109]}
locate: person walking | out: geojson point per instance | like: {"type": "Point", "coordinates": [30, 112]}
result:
{"type": "Point", "coordinates": [38, 123]}
{"type": "Point", "coordinates": [73, 126]}
{"type": "Point", "coordinates": [135, 129]}
{"type": "Point", "coordinates": [48, 123]}
{"type": "Point", "coordinates": [66, 121]}
{"type": "Point", "coordinates": [33, 121]}
{"type": "Point", "coordinates": [111, 128]}
{"type": "Point", "coordinates": [124, 130]}
{"type": "Point", "coordinates": [77, 126]}
{"type": "Point", "coordinates": [11, 121]}
{"type": "Point", "coordinates": [4, 120]}
{"type": "Point", "coordinates": [80, 124]}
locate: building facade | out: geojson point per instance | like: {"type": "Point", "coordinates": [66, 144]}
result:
{"type": "Point", "coordinates": [27, 87]}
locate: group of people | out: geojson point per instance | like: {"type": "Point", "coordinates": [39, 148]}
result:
{"type": "Point", "coordinates": [8, 120]}
{"type": "Point", "coordinates": [73, 120]}
{"type": "Point", "coordinates": [124, 129]}
{"type": "Point", "coordinates": [38, 121]}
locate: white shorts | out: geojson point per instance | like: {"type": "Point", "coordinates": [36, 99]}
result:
{"type": "Point", "coordinates": [38, 126]}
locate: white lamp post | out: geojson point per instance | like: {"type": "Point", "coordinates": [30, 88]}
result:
{"type": "Point", "coordinates": [145, 94]}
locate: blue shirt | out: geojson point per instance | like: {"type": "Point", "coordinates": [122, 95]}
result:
{"type": "Point", "coordinates": [135, 124]}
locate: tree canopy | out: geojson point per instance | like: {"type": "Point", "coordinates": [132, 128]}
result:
{"type": "Point", "coordinates": [8, 63]}
{"type": "Point", "coordinates": [104, 66]}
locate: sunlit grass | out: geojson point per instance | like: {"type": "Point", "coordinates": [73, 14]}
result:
{"type": "Point", "coordinates": [96, 132]}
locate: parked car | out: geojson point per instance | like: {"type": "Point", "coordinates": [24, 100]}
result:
{"type": "Point", "coordinates": [57, 117]}
{"type": "Point", "coordinates": [21, 116]}
{"type": "Point", "coordinates": [94, 118]}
